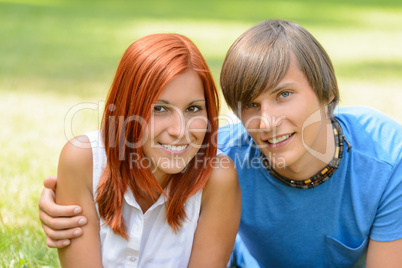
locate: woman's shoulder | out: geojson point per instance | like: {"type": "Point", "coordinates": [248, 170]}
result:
{"type": "Point", "coordinates": [76, 160]}
{"type": "Point", "coordinates": [223, 166]}
{"type": "Point", "coordinates": [75, 152]}
{"type": "Point", "coordinates": [223, 179]}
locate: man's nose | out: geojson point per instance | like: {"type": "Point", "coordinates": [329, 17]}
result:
{"type": "Point", "coordinates": [270, 118]}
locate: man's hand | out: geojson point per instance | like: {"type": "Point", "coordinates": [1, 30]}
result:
{"type": "Point", "coordinates": [60, 223]}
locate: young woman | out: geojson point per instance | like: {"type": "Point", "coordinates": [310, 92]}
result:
{"type": "Point", "coordinates": [152, 186]}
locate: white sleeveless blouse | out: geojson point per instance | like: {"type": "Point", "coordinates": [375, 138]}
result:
{"type": "Point", "coordinates": [152, 243]}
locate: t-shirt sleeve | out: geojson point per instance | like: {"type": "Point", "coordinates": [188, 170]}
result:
{"type": "Point", "coordinates": [387, 224]}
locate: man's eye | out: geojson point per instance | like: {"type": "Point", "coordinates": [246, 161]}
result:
{"type": "Point", "coordinates": [251, 105]}
{"type": "Point", "coordinates": [284, 94]}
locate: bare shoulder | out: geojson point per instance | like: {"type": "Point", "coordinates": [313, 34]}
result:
{"type": "Point", "coordinates": [223, 179]}
{"type": "Point", "coordinates": [224, 167]}
{"type": "Point", "coordinates": [74, 156]}
{"type": "Point", "coordinates": [75, 162]}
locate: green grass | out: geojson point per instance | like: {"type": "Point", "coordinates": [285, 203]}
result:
{"type": "Point", "coordinates": [58, 54]}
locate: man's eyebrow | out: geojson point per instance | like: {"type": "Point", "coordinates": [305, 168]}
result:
{"type": "Point", "coordinates": [282, 86]}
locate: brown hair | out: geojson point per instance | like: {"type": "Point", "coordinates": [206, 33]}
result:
{"type": "Point", "coordinates": [260, 58]}
{"type": "Point", "coordinates": [145, 69]}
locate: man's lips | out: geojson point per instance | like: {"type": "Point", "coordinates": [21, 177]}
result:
{"type": "Point", "coordinates": [279, 139]}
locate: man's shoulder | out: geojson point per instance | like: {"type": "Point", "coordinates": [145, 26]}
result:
{"type": "Point", "coordinates": [361, 119]}
{"type": "Point", "coordinates": [233, 135]}
{"type": "Point", "coordinates": [363, 114]}
{"type": "Point", "coordinates": [371, 132]}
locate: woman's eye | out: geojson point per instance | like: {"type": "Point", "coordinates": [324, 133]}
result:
{"type": "Point", "coordinates": [159, 108]}
{"type": "Point", "coordinates": [284, 94]}
{"type": "Point", "coordinates": [193, 109]}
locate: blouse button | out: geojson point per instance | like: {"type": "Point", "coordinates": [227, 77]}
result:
{"type": "Point", "coordinates": [133, 259]}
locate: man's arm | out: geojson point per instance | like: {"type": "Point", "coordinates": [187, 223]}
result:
{"type": "Point", "coordinates": [75, 187]}
{"type": "Point", "coordinates": [59, 222]}
{"type": "Point", "coordinates": [384, 254]}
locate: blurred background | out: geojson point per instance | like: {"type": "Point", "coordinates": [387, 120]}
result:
{"type": "Point", "coordinates": [58, 58]}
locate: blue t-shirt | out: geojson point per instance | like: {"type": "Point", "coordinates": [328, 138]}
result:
{"type": "Point", "coordinates": [330, 225]}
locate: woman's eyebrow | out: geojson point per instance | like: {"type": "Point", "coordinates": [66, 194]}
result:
{"type": "Point", "coordinates": [164, 101]}
{"type": "Point", "coordinates": [192, 102]}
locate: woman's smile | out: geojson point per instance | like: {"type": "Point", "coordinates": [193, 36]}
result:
{"type": "Point", "coordinates": [175, 149]}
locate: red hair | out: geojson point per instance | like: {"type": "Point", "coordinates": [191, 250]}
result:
{"type": "Point", "coordinates": [145, 69]}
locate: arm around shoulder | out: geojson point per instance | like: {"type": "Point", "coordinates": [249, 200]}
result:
{"type": "Point", "coordinates": [219, 218]}
{"type": "Point", "coordinates": [74, 186]}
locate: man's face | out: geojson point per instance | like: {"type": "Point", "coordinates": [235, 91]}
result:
{"type": "Point", "coordinates": [287, 122]}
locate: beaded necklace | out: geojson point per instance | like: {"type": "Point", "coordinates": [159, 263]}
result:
{"type": "Point", "coordinates": [321, 176]}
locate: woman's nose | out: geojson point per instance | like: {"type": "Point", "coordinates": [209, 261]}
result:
{"type": "Point", "coordinates": [176, 124]}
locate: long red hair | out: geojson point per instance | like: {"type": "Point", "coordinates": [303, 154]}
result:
{"type": "Point", "coordinates": [145, 69]}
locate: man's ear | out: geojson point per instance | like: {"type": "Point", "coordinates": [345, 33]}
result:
{"type": "Point", "coordinates": [326, 103]}
{"type": "Point", "coordinates": [331, 98]}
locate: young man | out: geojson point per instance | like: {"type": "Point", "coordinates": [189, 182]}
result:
{"type": "Point", "coordinates": [321, 186]}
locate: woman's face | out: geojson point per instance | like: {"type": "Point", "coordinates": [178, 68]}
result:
{"type": "Point", "coordinates": [177, 126]}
